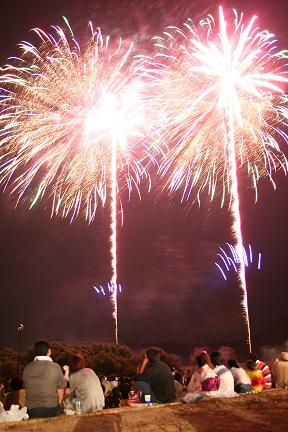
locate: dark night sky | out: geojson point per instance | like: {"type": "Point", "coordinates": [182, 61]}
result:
{"type": "Point", "coordinates": [173, 292]}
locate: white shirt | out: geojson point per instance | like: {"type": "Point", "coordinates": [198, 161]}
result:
{"type": "Point", "coordinates": [226, 388]}
{"type": "Point", "coordinates": [240, 376]}
{"type": "Point", "coordinates": [45, 358]}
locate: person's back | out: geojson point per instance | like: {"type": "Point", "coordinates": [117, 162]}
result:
{"type": "Point", "coordinates": [161, 381]}
{"type": "Point", "coordinates": [226, 378]}
{"type": "Point", "coordinates": [158, 375]}
{"type": "Point", "coordinates": [204, 378]}
{"type": "Point", "coordinates": [242, 382]}
{"type": "Point", "coordinates": [280, 370]}
{"type": "Point", "coordinates": [44, 383]}
{"type": "Point", "coordinates": [264, 369]}
{"type": "Point", "coordinates": [86, 385]}
{"type": "Point", "coordinates": [124, 388]}
{"type": "Point", "coordinates": [17, 394]}
{"type": "Point", "coordinates": [257, 381]}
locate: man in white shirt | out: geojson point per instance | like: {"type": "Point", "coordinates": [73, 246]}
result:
{"type": "Point", "coordinates": [44, 383]}
{"type": "Point", "coordinates": [226, 388]}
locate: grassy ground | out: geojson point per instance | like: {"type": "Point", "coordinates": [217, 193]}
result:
{"type": "Point", "coordinates": [266, 412]}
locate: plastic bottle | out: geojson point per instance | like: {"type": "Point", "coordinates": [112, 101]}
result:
{"type": "Point", "coordinates": [78, 406]}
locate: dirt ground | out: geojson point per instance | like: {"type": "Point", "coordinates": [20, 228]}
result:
{"type": "Point", "coordinates": [266, 412]}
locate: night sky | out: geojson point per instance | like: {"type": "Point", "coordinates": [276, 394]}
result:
{"type": "Point", "coordinates": [173, 294]}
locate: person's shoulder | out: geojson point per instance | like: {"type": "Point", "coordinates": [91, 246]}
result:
{"type": "Point", "coordinates": [54, 365]}
{"type": "Point", "coordinates": [84, 372]}
{"type": "Point", "coordinates": [29, 365]}
{"type": "Point", "coordinates": [165, 366]}
{"type": "Point", "coordinates": [161, 362]}
{"type": "Point", "coordinates": [88, 371]}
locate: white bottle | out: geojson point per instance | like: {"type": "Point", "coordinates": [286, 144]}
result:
{"type": "Point", "coordinates": [78, 406]}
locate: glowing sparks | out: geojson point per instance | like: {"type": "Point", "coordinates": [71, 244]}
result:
{"type": "Point", "coordinates": [208, 77]}
{"type": "Point", "coordinates": [222, 106]}
{"type": "Point", "coordinates": [230, 260]}
{"type": "Point", "coordinates": [61, 108]}
{"type": "Point", "coordinates": [109, 289]}
{"type": "Point", "coordinates": [72, 126]}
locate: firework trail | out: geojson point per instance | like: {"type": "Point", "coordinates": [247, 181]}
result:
{"type": "Point", "coordinates": [231, 260]}
{"type": "Point", "coordinates": [109, 289]}
{"type": "Point", "coordinates": [72, 124]}
{"type": "Point", "coordinates": [221, 108]}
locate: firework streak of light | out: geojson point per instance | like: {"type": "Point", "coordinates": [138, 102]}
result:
{"type": "Point", "coordinates": [221, 107]}
{"type": "Point", "coordinates": [72, 125]}
{"type": "Point", "coordinates": [231, 260]}
{"type": "Point", "coordinates": [110, 289]}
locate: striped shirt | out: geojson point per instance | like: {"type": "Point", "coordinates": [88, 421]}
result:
{"type": "Point", "coordinates": [266, 373]}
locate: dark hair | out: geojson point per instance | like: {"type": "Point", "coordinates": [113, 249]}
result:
{"type": "Point", "coordinates": [41, 348]}
{"type": "Point", "coordinates": [232, 363]}
{"type": "Point", "coordinates": [216, 359]}
{"type": "Point", "coordinates": [76, 362]}
{"type": "Point", "coordinates": [153, 354]}
{"type": "Point", "coordinates": [178, 377]}
{"type": "Point", "coordinates": [16, 384]}
{"type": "Point", "coordinates": [201, 360]}
{"type": "Point", "coordinates": [251, 365]}
{"type": "Point", "coordinates": [253, 356]}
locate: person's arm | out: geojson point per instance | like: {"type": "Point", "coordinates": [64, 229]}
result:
{"type": "Point", "coordinates": [61, 384]}
{"type": "Point", "coordinates": [60, 395]}
{"type": "Point", "coordinates": [144, 364]}
{"type": "Point", "coordinates": [72, 385]}
{"type": "Point", "coordinates": [144, 372]}
{"type": "Point", "coordinates": [194, 383]}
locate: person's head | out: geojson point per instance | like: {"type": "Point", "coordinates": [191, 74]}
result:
{"type": "Point", "coordinates": [178, 377]}
{"type": "Point", "coordinates": [253, 356]}
{"type": "Point", "coordinates": [232, 363]}
{"type": "Point", "coordinates": [216, 359]}
{"type": "Point", "coordinates": [201, 359]}
{"type": "Point", "coordinates": [76, 362]}
{"type": "Point", "coordinates": [16, 384]}
{"type": "Point", "coordinates": [284, 356]}
{"type": "Point", "coordinates": [153, 355]}
{"type": "Point", "coordinates": [42, 348]}
{"type": "Point", "coordinates": [251, 365]}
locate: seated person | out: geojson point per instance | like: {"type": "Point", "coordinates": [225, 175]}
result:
{"type": "Point", "coordinates": [85, 385]}
{"type": "Point", "coordinates": [265, 370]}
{"type": "Point", "coordinates": [2, 393]}
{"type": "Point", "coordinates": [242, 382]}
{"type": "Point", "coordinates": [280, 370]}
{"type": "Point", "coordinates": [204, 381]}
{"type": "Point", "coordinates": [17, 394]}
{"type": "Point", "coordinates": [124, 389]}
{"type": "Point", "coordinates": [178, 381]}
{"type": "Point", "coordinates": [44, 383]}
{"type": "Point", "coordinates": [226, 388]}
{"type": "Point", "coordinates": [257, 380]}
{"type": "Point", "coordinates": [155, 379]}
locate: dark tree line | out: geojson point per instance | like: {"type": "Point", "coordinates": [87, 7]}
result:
{"type": "Point", "coordinates": [105, 359]}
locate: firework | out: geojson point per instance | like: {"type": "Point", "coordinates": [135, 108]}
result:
{"type": "Point", "coordinates": [221, 108]}
{"type": "Point", "coordinates": [229, 260]}
{"type": "Point", "coordinates": [61, 107]}
{"type": "Point", "coordinates": [109, 289]}
{"type": "Point", "coordinates": [72, 125]}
